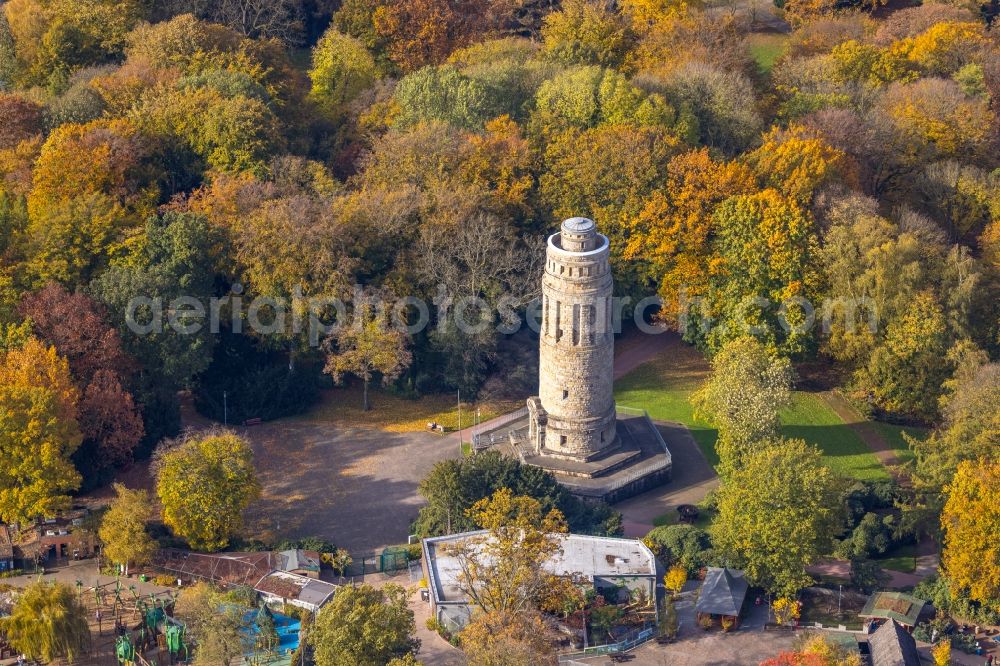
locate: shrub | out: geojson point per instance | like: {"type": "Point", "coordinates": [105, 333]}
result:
{"type": "Point", "coordinates": [317, 544]}
{"type": "Point", "coordinates": [680, 544]}
{"type": "Point", "coordinates": [936, 590]}
{"type": "Point", "coordinates": [866, 575]}
{"type": "Point", "coordinates": [871, 537]}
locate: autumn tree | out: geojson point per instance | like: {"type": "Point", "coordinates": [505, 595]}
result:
{"type": "Point", "coordinates": [935, 120]}
{"type": "Point", "coordinates": [341, 68]}
{"type": "Point", "coordinates": [123, 528]}
{"type": "Point", "coordinates": [778, 513]}
{"type": "Point", "coordinates": [969, 430]}
{"type": "Point", "coordinates": [970, 557]}
{"type": "Point", "coordinates": [503, 571]}
{"type": "Point", "coordinates": [368, 345]}
{"type": "Point", "coordinates": [507, 639]}
{"type": "Point", "coordinates": [48, 622]}
{"type": "Point", "coordinates": [872, 270]}
{"type": "Point", "coordinates": [584, 32]}
{"type": "Point", "coordinates": [941, 653]}
{"type": "Point", "coordinates": [786, 610]}
{"type": "Point", "coordinates": [606, 173]}
{"type": "Point", "coordinates": [205, 483]}
{"type": "Point", "coordinates": [905, 372]}
{"type": "Point", "coordinates": [109, 418]}
{"type": "Point", "coordinates": [743, 397]}
{"type": "Point", "coordinates": [20, 119]}
{"type": "Point", "coordinates": [424, 32]}
{"type": "Point", "coordinates": [673, 229]}
{"type": "Point", "coordinates": [53, 39]}
{"type": "Point", "coordinates": [796, 163]}
{"type": "Point", "coordinates": [675, 578]}
{"type": "Point", "coordinates": [291, 248]}
{"type": "Point", "coordinates": [231, 133]}
{"type": "Point", "coordinates": [215, 621]}
{"type": "Point", "coordinates": [764, 279]}
{"type": "Point", "coordinates": [364, 625]}
{"type": "Point", "coordinates": [816, 650]}
{"type": "Point", "coordinates": [88, 191]}
{"type": "Point", "coordinates": [38, 432]}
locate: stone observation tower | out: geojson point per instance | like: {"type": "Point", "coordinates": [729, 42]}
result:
{"type": "Point", "coordinates": [573, 428]}
{"type": "Point", "coordinates": [573, 416]}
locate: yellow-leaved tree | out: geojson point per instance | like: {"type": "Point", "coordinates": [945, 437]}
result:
{"type": "Point", "coordinates": [673, 228]}
{"type": "Point", "coordinates": [502, 570]}
{"type": "Point", "coordinates": [38, 432]}
{"type": "Point", "coordinates": [48, 622]}
{"type": "Point", "coordinates": [123, 528]}
{"type": "Point", "coordinates": [205, 483]}
{"type": "Point", "coordinates": [786, 610]}
{"type": "Point", "coordinates": [796, 163]}
{"type": "Point", "coordinates": [971, 522]}
{"type": "Point", "coordinates": [368, 345]}
{"type": "Point", "coordinates": [675, 578]}
{"type": "Point", "coordinates": [942, 653]}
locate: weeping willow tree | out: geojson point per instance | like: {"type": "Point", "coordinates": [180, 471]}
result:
{"type": "Point", "coordinates": [48, 622]}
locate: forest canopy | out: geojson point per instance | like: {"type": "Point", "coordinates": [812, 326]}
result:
{"type": "Point", "coordinates": [835, 194]}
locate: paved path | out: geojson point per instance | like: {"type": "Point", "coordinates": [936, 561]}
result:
{"type": "Point", "coordinates": [356, 487]}
{"type": "Point", "coordinates": [927, 551]}
{"type": "Point", "coordinates": [434, 650]}
{"type": "Point", "coordinates": [747, 645]}
{"type": "Point", "coordinates": [692, 479]}
{"type": "Point", "coordinates": [86, 572]}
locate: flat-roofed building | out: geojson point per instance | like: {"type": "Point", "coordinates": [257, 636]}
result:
{"type": "Point", "coordinates": [601, 562]}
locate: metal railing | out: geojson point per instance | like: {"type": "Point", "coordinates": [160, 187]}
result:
{"type": "Point", "coordinates": [632, 639]}
{"type": "Point", "coordinates": [487, 434]}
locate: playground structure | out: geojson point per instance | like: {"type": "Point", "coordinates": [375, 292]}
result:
{"type": "Point", "coordinates": [141, 626]}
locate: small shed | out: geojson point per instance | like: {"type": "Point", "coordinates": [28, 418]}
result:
{"type": "Point", "coordinates": [892, 645]}
{"type": "Point", "coordinates": [288, 588]}
{"type": "Point", "coordinates": [905, 609]}
{"type": "Point", "coordinates": [301, 562]}
{"type": "Point", "coordinates": [722, 594]}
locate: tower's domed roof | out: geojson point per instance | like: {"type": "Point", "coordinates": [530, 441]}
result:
{"type": "Point", "coordinates": [579, 225]}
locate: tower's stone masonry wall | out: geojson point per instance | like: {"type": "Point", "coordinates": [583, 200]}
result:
{"type": "Point", "coordinates": [577, 344]}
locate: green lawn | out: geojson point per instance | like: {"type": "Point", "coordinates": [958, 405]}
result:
{"type": "Point", "coordinates": [903, 558]}
{"type": "Point", "coordinates": [663, 388]}
{"type": "Point", "coordinates": [811, 419]}
{"type": "Point", "coordinates": [765, 49]}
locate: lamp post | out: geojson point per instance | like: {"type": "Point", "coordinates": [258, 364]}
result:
{"type": "Point", "coordinates": [225, 407]}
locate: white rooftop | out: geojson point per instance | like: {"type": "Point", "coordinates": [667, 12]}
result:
{"type": "Point", "coordinates": [584, 555]}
